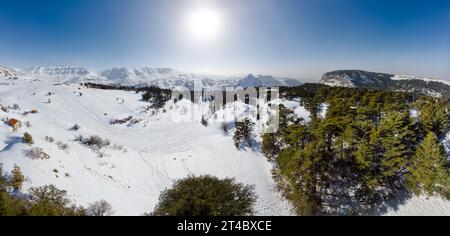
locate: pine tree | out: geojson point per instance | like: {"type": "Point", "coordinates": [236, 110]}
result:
{"type": "Point", "coordinates": [204, 121]}
{"type": "Point", "coordinates": [364, 155]}
{"type": "Point", "coordinates": [313, 106]}
{"type": "Point", "coordinates": [397, 137]}
{"type": "Point", "coordinates": [296, 136]}
{"type": "Point", "coordinates": [244, 132]}
{"type": "Point", "coordinates": [367, 158]}
{"type": "Point", "coordinates": [206, 196]}
{"type": "Point", "coordinates": [305, 170]}
{"type": "Point", "coordinates": [17, 178]}
{"type": "Point", "coordinates": [434, 115]}
{"type": "Point", "coordinates": [270, 145]}
{"type": "Point", "coordinates": [429, 172]}
{"type": "Point", "coordinates": [286, 118]}
{"type": "Point", "coordinates": [50, 201]}
{"type": "Point", "coordinates": [3, 182]}
{"type": "Point", "coordinates": [27, 138]}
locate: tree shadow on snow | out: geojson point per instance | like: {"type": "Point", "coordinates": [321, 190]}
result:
{"type": "Point", "coordinates": [394, 204]}
{"type": "Point", "coordinates": [254, 146]}
{"type": "Point", "coordinates": [10, 142]}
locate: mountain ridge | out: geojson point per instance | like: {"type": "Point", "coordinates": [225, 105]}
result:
{"type": "Point", "coordinates": [386, 81]}
{"type": "Point", "coordinates": [151, 76]}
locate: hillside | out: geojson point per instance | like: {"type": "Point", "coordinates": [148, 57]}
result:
{"type": "Point", "coordinates": [148, 148]}
{"type": "Point", "coordinates": [383, 81]}
{"type": "Point", "coordinates": [145, 156]}
{"type": "Point", "coordinates": [7, 72]}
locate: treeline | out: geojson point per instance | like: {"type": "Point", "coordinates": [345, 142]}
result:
{"type": "Point", "coordinates": [157, 96]}
{"type": "Point", "coordinates": [192, 196]}
{"type": "Point", "coordinates": [123, 87]}
{"type": "Point", "coordinates": [367, 150]}
{"type": "Point", "coordinates": [42, 201]}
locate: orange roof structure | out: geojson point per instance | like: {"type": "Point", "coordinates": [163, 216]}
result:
{"type": "Point", "coordinates": [13, 122]}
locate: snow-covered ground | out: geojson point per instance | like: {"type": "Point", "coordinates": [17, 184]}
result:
{"type": "Point", "coordinates": [147, 153]}
{"type": "Point", "coordinates": [421, 206]}
{"type": "Point", "coordinates": [142, 160]}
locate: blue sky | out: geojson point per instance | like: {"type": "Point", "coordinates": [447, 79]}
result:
{"type": "Point", "coordinates": [296, 38]}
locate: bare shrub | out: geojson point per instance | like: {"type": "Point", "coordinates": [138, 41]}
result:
{"type": "Point", "coordinates": [49, 139]}
{"type": "Point", "coordinates": [120, 121]}
{"type": "Point", "coordinates": [204, 121]}
{"type": "Point", "coordinates": [224, 127]}
{"type": "Point", "coordinates": [117, 147]}
{"type": "Point", "coordinates": [78, 138]}
{"type": "Point", "coordinates": [100, 208]}
{"type": "Point", "coordinates": [62, 146]}
{"type": "Point", "coordinates": [15, 107]}
{"type": "Point", "coordinates": [75, 127]}
{"type": "Point", "coordinates": [133, 122]}
{"type": "Point", "coordinates": [37, 153]}
{"type": "Point", "coordinates": [93, 141]}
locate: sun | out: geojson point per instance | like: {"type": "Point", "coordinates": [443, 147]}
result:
{"type": "Point", "coordinates": [205, 24]}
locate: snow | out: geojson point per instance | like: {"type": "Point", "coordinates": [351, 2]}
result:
{"type": "Point", "coordinates": [338, 81]}
{"type": "Point", "coordinates": [407, 77]}
{"type": "Point", "coordinates": [260, 80]}
{"type": "Point", "coordinates": [446, 143]}
{"type": "Point", "coordinates": [147, 76]}
{"type": "Point", "coordinates": [299, 111]}
{"type": "Point", "coordinates": [147, 157]}
{"type": "Point", "coordinates": [324, 110]}
{"type": "Point", "coordinates": [414, 113]}
{"type": "Point", "coordinates": [6, 72]}
{"type": "Point", "coordinates": [421, 206]}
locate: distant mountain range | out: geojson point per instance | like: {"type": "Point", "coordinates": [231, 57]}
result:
{"type": "Point", "coordinates": [172, 79]}
{"type": "Point", "coordinates": [146, 76]}
{"type": "Point", "coordinates": [383, 81]}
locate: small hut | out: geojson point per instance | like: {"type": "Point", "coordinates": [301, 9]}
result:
{"type": "Point", "coordinates": [14, 123]}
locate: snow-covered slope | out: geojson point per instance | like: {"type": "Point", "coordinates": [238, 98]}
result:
{"type": "Point", "coordinates": [64, 74]}
{"type": "Point", "coordinates": [259, 81]}
{"type": "Point", "coordinates": [7, 72]}
{"type": "Point", "coordinates": [372, 80]}
{"type": "Point", "coordinates": [145, 156]}
{"type": "Point", "coordinates": [147, 152]}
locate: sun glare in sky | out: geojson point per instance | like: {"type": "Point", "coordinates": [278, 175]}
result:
{"type": "Point", "coordinates": [205, 24]}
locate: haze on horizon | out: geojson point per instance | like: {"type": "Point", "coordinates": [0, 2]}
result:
{"type": "Point", "coordinates": [294, 38]}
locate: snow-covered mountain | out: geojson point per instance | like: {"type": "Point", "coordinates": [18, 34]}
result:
{"type": "Point", "coordinates": [147, 76]}
{"type": "Point", "coordinates": [7, 72]}
{"type": "Point", "coordinates": [164, 78]}
{"type": "Point", "coordinates": [365, 79]}
{"type": "Point", "coordinates": [264, 81]}
{"type": "Point", "coordinates": [64, 74]}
